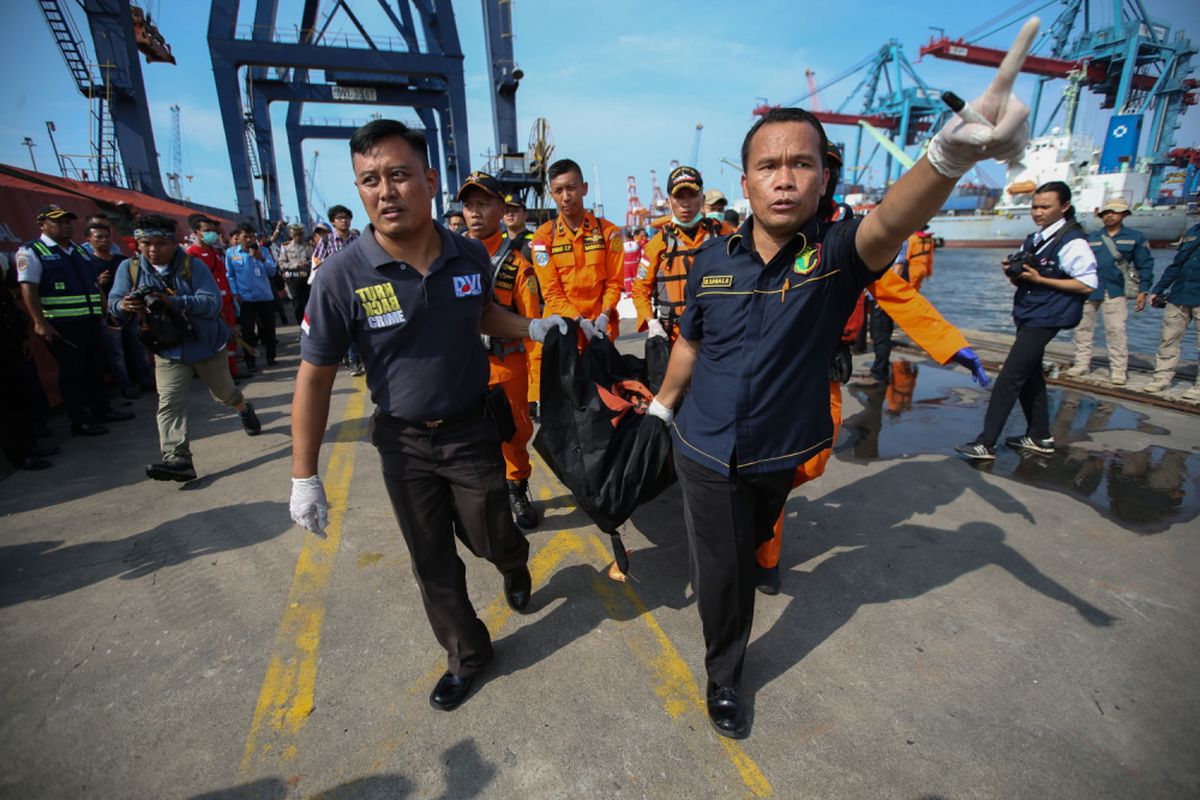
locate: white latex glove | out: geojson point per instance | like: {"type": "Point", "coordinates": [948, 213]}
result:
{"type": "Point", "coordinates": [538, 328]}
{"type": "Point", "coordinates": [959, 145]}
{"type": "Point", "coordinates": [655, 328]}
{"type": "Point", "coordinates": [657, 409]}
{"type": "Point", "coordinates": [601, 323]}
{"type": "Point", "coordinates": [308, 506]}
{"type": "Point", "coordinates": [589, 330]}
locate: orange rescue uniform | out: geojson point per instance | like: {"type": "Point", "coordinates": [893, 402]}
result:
{"type": "Point", "coordinates": [514, 288]}
{"type": "Point", "coordinates": [658, 289]}
{"type": "Point", "coordinates": [917, 317]}
{"type": "Point", "coordinates": [919, 258]}
{"type": "Point", "coordinates": [580, 270]}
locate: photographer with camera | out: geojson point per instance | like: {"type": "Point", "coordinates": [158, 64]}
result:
{"type": "Point", "coordinates": [178, 307]}
{"type": "Point", "coordinates": [1177, 291]}
{"type": "Point", "coordinates": [1054, 272]}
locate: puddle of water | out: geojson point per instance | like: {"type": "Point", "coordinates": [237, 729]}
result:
{"type": "Point", "coordinates": [930, 409]}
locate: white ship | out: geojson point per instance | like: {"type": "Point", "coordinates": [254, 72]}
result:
{"type": "Point", "coordinates": [1074, 159]}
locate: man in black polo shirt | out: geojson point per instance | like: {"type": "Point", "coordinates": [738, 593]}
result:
{"type": "Point", "coordinates": [765, 310]}
{"type": "Point", "coordinates": [414, 298]}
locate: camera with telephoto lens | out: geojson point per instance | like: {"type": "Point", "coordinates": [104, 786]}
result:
{"type": "Point", "coordinates": [1017, 262]}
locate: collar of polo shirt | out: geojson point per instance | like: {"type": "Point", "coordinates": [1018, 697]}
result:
{"type": "Point", "coordinates": [378, 258]}
{"type": "Point", "coordinates": [744, 238]}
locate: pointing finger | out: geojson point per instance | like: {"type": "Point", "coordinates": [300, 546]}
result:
{"type": "Point", "coordinates": [1010, 67]}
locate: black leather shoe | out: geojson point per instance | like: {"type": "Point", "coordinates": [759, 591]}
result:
{"type": "Point", "coordinates": [517, 587]}
{"type": "Point", "coordinates": [450, 692]}
{"type": "Point", "coordinates": [725, 712]}
{"type": "Point", "coordinates": [523, 511]}
{"type": "Point", "coordinates": [115, 416]}
{"type": "Point", "coordinates": [88, 429]}
{"type": "Point", "coordinates": [766, 579]}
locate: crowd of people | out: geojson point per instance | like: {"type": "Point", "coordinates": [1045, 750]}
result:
{"type": "Point", "coordinates": [758, 312]}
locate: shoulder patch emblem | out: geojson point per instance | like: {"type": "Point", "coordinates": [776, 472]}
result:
{"type": "Point", "coordinates": [716, 282]}
{"type": "Point", "coordinates": [808, 260]}
{"type": "Point", "coordinates": [541, 258]}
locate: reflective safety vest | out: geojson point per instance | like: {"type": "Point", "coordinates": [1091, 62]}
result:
{"type": "Point", "coordinates": [514, 288]}
{"type": "Point", "coordinates": [662, 274]}
{"type": "Point", "coordinates": [68, 286]}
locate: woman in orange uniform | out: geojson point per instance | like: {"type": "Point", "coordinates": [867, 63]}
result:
{"type": "Point", "coordinates": [662, 273]}
{"type": "Point", "coordinates": [514, 288]}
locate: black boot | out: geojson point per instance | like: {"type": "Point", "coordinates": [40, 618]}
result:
{"type": "Point", "coordinates": [518, 499]}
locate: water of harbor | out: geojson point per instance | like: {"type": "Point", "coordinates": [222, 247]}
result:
{"type": "Point", "coordinates": [970, 290]}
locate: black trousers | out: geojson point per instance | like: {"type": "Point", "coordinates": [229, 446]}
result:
{"type": "Point", "coordinates": [258, 325]}
{"type": "Point", "coordinates": [79, 351]}
{"type": "Point", "coordinates": [727, 519]}
{"type": "Point", "coordinates": [445, 483]}
{"type": "Point", "coordinates": [882, 327]}
{"type": "Point", "coordinates": [297, 290]}
{"type": "Point", "coordinates": [17, 425]}
{"type": "Point", "coordinates": [1020, 378]}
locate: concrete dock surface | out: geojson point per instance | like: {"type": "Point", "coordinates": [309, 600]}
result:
{"type": "Point", "coordinates": [1022, 629]}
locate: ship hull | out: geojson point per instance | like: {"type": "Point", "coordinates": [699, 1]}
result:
{"type": "Point", "coordinates": [1162, 226]}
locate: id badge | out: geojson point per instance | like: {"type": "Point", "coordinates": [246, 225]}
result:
{"type": "Point", "coordinates": [258, 272]}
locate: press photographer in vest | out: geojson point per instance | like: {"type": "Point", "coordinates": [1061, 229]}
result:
{"type": "Point", "coordinates": [1054, 272]}
{"type": "Point", "coordinates": [178, 307]}
{"type": "Point", "coordinates": [59, 283]}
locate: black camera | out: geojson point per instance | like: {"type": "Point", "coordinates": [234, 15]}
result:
{"type": "Point", "coordinates": [1159, 301]}
{"type": "Point", "coordinates": [154, 302]}
{"type": "Point", "coordinates": [1016, 263]}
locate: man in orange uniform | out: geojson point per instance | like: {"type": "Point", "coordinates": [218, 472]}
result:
{"type": "Point", "coordinates": [916, 258]}
{"type": "Point", "coordinates": [917, 317]}
{"type": "Point", "coordinates": [514, 288]}
{"type": "Point", "coordinates": [662, 273]}
{"type": "Point", "coordinates": [578, 257]}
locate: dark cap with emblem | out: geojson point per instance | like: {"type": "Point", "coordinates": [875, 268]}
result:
{"type": "Point", "coordinates": [684, 178]}
{"type": "Point", "coordinates": [483, 181]}
{"type": "Point", "coordinates": [515, 200]}
{"type": "Point", "coordinates": [54, 212]}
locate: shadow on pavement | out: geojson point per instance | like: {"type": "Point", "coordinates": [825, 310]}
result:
{"type": "Point", "coordinates": [39, 570]}
{"type": "Point", "coordinates": [881, 557]}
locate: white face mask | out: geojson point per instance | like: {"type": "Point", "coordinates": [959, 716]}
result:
{"type": "Point", "coordinates": [161, 270]}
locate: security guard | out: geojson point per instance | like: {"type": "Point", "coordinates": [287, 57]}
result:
{"type": "Point", "coordinates": [578, 257]}
{"type": "Point", "coordinates": [658, 287]}
{"type": "Point", "coordinates": [514, 288]}
{"type": "Point", "coordinates": [1115, 243]}
{"type": "Point", "coordinates": [59, 286]}
{"type": "Point", "coordinates": [765, 310]}
{"type": "Point", "coordinates": [415, 298]}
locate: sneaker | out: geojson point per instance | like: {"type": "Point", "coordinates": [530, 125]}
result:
{"type": "Point", "coordinates": [1029, 443]}
{"type": "Point", "coordinates": [250, 423]}
{"type": "Point", "coordinates": [1078, 371]}
{"type": "Point", "coordinates": [766, 579]}
{"type": "Point", "coordinates": [1192, 393]}
{"type": "Point", "coordinates": [976, 451]}
{"type": "Point", "coordinates": [1118, 379]}
{"type": "Point", "coordinates": [518, 499]}
{"type": "Point", "coordinates": [171, 469]}
{"type": "Point", "coordinates": [1155, 386]}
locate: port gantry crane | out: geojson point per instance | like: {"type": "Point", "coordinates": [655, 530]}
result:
{"type": "Point", "coordinates": [1133, 62]}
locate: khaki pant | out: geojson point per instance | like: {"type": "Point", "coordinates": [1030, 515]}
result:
{"type": "Point", "coordinates": [1175, 322]}
{"type": "Point", "coordinates": [174, 380]}
{"type": "Point", "coordinates": [1115, 311]}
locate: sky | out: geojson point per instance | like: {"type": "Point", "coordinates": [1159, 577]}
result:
{"type": "Point", "coordinates": [623, 84]}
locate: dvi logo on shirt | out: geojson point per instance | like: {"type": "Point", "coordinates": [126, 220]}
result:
{"type": "Point", "coordinates": [468, 285]}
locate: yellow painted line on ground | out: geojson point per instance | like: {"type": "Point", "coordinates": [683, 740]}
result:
{"type": "Point", "coordinates": [286, 697]}
{"type": "Point", "coordinates": [677, 687]}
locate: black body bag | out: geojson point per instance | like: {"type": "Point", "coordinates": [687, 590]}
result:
{"type": "Point", "coordinates": [595, 435]}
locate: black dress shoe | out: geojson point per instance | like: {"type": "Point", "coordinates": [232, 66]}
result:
{"type": "Point", "coordinates": [173, 470]}
{"type": "Point", "coordinates": [88, 429]}
{"type": "Point", "coordinates": [115, 416]}
{"type": "Point", "coordinates": [450, 692]}
{"type": "Point", "coordinates": [517, 587]}
{"type": "Point", "coordinates": [725, 712]}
